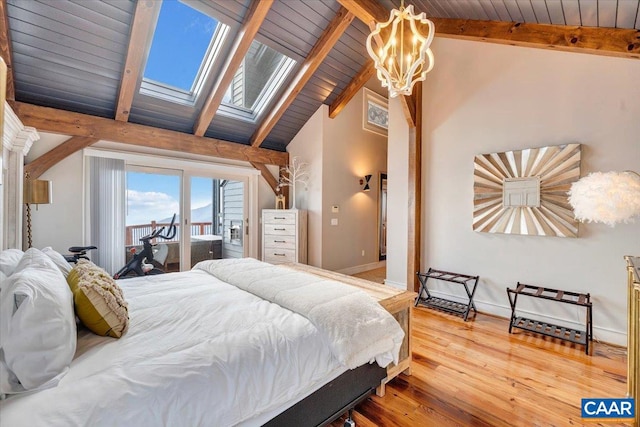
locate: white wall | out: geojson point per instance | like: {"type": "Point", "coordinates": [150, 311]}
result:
{"type": "Point", "coordinates": [308, 146]}
{"type": "Point", "coordinates": [350, 153]}
{"type": "Point", "coordinates": [483, 98]}
{"type": "Point", "coordinates": [61, 223]}
{"type": "Point", "coordinates": [397, 196]}
{"type": "Point", "coordinates": [340, 152]}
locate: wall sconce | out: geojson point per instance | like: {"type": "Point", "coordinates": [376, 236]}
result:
{"type": "Point", "coordinates": [37, 192]}
{"type": "Point", "coordinates": [364, 182]}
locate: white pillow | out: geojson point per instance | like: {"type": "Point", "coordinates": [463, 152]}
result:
{"type": "Point", "coordinates": [58, 260]}
{"type": "Point", "coordinates": [9, 259]}
{"type": "Point", "coordinates": [37, 326]}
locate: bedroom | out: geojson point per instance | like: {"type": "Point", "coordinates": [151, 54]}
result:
{"type": "Point", "coordinates": [479, 98]}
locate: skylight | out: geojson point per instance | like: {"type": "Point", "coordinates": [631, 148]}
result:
{"type": "Point", "coordinates": [184, 46]}
{"type": "Point", "coordinates": [258, 78]}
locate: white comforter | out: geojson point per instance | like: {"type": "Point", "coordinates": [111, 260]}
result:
{"type": "Point", "coordinates": [198, 352]}
{"type": "Point", "coordinates": [352, 324]}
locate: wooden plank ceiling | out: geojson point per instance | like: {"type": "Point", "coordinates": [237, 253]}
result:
{"type": "Point", "coordinates": [87, 56]}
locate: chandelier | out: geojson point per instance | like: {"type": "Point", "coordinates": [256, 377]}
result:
{"type": "Point", "coordinates": [402, 57]}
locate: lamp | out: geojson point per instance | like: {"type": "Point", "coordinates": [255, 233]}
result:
{"type": "Point", "coordinates": [609, 197]}
{"type": "Point", "coordinates": [404, 58]}
{"type": "Point", "coordinates": [365, 183]}
{"type": "Point", "coordinates": [36, 192]}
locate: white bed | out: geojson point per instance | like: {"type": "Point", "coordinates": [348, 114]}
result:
{"type": "Point", "coordinates": [198, 352]}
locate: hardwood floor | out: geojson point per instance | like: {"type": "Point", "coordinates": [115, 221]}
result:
{"type": "Point", "coordinates": [477, 374]}
{"type": "Point", "coordinates": [377, 275]}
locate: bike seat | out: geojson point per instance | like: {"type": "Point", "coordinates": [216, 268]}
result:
{"type": "Point", "coordinates": [77, 249]}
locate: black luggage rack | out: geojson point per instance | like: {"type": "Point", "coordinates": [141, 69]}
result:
{"type": "Point", "coordinates": [450, 306]}
{"type": "Point", "coordinates": [576, 336]}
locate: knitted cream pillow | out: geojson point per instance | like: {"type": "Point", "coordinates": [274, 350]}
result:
{"type": "Point", "coordinates": [98, 300]}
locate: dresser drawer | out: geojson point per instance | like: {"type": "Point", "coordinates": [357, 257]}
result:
{"type": "Point", "coordinates": [279, 218]}
{"type": "Point", "coordinates": [276, 256]}
{"type": "Point", "coordinates": [279, 242]}
{"type": "Point", "coordinates": [280, 229]}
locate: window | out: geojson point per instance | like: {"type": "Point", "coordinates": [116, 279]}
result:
{"type": "Point", "coordinates": [183, 51]}
{"type": "Point", "coordinates": [257, 79]}
{"type": "Point", "coordinates": [184, 47]}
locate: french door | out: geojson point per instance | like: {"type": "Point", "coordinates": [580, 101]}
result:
{"type": "Point", "coordinates": [214, 205]}
{"type": "Point", "coordinates": [210, 214]}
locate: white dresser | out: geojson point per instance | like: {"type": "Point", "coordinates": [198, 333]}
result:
{"type": "Point", "coordinates": [284, 236]}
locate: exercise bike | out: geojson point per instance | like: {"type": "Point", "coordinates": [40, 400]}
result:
{"type": "Point", "coordinates": [78, 252]}
{"type": "Point", "coordinates": [141, 264]}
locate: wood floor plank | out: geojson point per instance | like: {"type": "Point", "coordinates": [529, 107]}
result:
{"type": "Point", "coordinates": [477, 374]}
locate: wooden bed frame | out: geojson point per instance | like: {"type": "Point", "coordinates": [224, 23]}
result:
{"type": "Point", "coordinates": [340, 395]}
{"type": "Point", "coordinates": [332, 400]}
{"type": "Point", "coordinates": [396, 301]}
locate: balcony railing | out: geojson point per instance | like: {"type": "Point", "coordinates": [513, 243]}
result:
{"type": "Point", "coordinates": [135, 232]}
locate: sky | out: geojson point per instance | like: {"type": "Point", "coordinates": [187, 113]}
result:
{"type": "Point", "coordinates": [157, 196]}
{"type": "Point", "coordinates": [179, 43]}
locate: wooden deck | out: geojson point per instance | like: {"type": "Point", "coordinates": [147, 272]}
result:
{"type": "Point", "coordinates": [475, 373]}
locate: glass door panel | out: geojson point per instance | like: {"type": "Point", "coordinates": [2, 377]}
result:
{"type": "Point", "coordinates": [217, 219]}
{"type": "Point", "coordinates": [206, 238]}
{"type": "Point", "coordinates": [153, 197]}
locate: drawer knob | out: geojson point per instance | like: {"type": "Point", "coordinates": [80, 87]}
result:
{"type": "Point", "coordinates": [279, 217]}
{"type": "Point", "coordinates": [280, 229]}
{"type": "Point", "coordinates": [280, 241]}
{"type": "Point", "coordinates": [279, 254]}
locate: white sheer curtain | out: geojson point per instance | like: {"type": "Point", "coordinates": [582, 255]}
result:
{"type": "Point", "coordinates": [107, 191]}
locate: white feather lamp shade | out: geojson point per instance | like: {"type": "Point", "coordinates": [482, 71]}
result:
{"type": "Point", "coordinates": [608, 197]}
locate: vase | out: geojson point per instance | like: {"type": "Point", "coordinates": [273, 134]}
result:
{"type": "Point", "coordinates": [293, 196]}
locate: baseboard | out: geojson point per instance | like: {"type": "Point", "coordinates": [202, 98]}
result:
{"type": "Point", "coordinates": [398, 285]}
{"type": "Point", "coordinates": [364, 267]}
{"type": "Point", "coordinates": [599, 334]}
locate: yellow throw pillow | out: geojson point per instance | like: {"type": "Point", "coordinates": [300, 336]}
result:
{"type": "Point", "coordinates": [98, 300]}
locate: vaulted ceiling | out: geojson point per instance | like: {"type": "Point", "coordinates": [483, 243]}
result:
{"type": "Point", "coordinates": [75, 65]}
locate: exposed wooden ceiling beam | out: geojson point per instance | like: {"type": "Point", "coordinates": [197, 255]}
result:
{"type": "Point", "coordinates": [267, 175]}
{"type": "Point", "coordinates": [366, 10]}
{"type": "Point", "coordinates": [318, 53]}
{"type": "Point", "coordinates": [58, 153]}
{"type": "Point", "coordinates": [599, 41]}
{"type": "Point", "coordinates": [141, 33]}
{"type": "Point", "coordinates": [75, 124]}
{"type": "Point", "coordinates": [352, 88]}
{"type": "Point", "coordinates": [256, 14]}
{"type": "Point", "coordinates": [5, 49]}
{"type": "Point", "coordinates": [370, 12]}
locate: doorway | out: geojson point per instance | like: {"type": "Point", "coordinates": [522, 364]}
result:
{"type": "Point", "coordinates": [382, 218]}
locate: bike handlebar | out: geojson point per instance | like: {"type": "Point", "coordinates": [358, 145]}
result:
{"type": "Point", "coordinates": [171, 233]}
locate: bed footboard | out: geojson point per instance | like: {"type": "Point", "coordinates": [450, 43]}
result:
{"type": "Point", "coordinates": [396, 301]}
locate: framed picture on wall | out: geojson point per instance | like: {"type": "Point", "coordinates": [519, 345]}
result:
{"type": "Point", "coordinates": [375, 115]}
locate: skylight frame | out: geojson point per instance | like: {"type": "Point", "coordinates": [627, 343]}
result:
{"type": "Point", "coordinates": [167, 92]}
